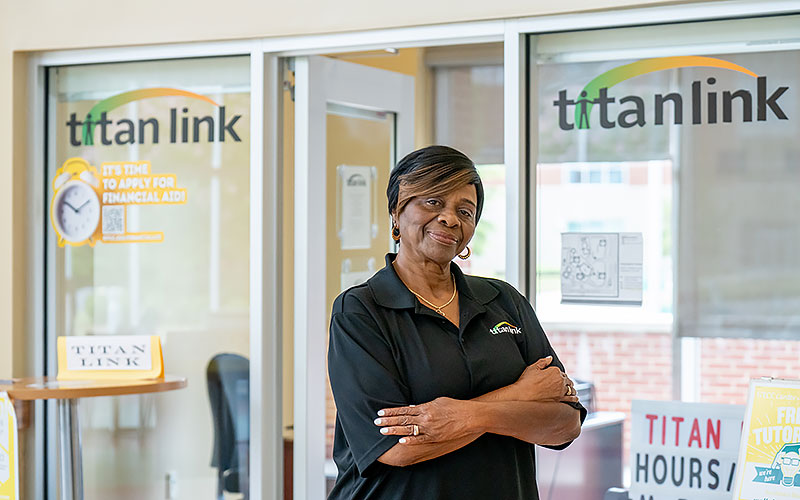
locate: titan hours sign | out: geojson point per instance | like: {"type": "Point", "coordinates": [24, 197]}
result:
{"type": "Point", "coordinates": [703, 94]}
{"type": "Point", "coordinates": [182, 127]}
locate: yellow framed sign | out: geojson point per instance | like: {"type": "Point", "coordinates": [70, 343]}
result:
{"type": "Point", "coordinates": [110, 357]}
{"type": "Point", "coordinates": [769, 450]}
{"type": "Point", "coordinates": [9, 469]}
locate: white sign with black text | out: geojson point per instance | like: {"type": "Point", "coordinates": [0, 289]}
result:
{"type": "Point", "coordinates": [684, 451]}
{"type": "Point", "coordinates": [602, 268]}
{"type": "Point", "coordinates": [355, 207]}
{"type": "Point", "coordinates": [107, 352]}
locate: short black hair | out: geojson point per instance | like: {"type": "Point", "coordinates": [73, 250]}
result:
{"type": "Point", "coordinates": [433, 165]}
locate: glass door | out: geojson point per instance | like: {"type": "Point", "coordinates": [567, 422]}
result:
{"type": "Point", "coordinates": [163, 147]}
{"type": "Point", "coordinates": [352, 123]}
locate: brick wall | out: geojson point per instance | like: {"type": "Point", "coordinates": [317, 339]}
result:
{"type": "Point", "coordinates": [727, 365]}
{"type": "Point", "coordinates": [622, 366]}
{"type": "Point", "coordinates": [627, 366]}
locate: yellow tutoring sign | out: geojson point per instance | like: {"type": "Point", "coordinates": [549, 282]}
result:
{"type": "Point", "coordinates": [769, 451]}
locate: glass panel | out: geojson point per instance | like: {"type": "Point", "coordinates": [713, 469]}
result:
{"type": "Point", "coordinates": [602, 180]}
{"type": "Point", "coordinates": [488, 245]}
{"type": "Point", "coordinates": [469, 111]}
{"type": "Point", "coordinates": [723, 121]}
{"type": "Point", "coordinates": [183, 124]}
{"type": "Point", "coordinates": [621, 140]}
{"type": "Point", "coordinates": [739, 231]}
{"type": "Point", "coordinates": [359, 159]}
{"type": "Point", "coordinates": [469, 117]}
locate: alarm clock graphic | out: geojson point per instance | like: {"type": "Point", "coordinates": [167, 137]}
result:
{"type": "Point", "coordinates": [76, 209]}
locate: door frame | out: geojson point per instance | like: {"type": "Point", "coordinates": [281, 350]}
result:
{"type": "Point", "coordinates": [265, 54]}
{"type": "Point", "coordinates": [318, 82]}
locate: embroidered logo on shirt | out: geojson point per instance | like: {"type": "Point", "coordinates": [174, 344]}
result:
{"type": "Point", "coordinates": [505, 327]}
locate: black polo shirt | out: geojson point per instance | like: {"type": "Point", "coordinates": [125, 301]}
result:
{"type": "Point", "coordinates": [388, 350]}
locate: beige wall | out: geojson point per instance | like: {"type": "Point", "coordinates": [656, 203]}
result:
{"type": "Point", "coordinates": [35, 25]}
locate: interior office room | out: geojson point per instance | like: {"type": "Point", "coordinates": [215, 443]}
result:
{"type": "Point", "coordinates": [260, 114]}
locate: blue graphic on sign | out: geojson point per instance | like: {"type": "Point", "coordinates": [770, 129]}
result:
{"type": "Point", "coordinates": [785, 468]}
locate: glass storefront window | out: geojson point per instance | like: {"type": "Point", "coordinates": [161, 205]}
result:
{"type": "Point", "coordinates": [683, 133]}
{"type": "Point", "coordinates": [186, 280]}
{"type": "Point", "coordinates": [710, 112]}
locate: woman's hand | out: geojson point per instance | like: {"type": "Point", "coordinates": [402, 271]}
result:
{"type": "Point", "coordinates": [441, 420]}
{"type": "Point", "coordinates": [542, 382]}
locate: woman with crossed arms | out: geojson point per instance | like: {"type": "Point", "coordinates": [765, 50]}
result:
{"type": "Point", "coordinates": [443, 382]}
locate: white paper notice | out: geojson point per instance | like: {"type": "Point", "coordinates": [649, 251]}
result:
{"type": "Point", "coordinates": [601, 268]}
{"type": "Point", "coordinates": [356, 207]}
{"type": "Point", "coordinates": [107, 352]}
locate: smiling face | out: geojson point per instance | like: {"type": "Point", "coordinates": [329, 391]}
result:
{"type": "Point", "coordinates": [438, 227]}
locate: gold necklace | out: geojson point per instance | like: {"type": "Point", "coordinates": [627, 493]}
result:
{"type": "Point", "coordinates": [436, 308]}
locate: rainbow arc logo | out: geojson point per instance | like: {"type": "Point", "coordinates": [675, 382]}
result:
{"type": "Point", "coordinates": [505, 327]}
{"type": "Point", "coordinates": [596, 92]}
{"type": "Point", "coordinates": [127, 131]}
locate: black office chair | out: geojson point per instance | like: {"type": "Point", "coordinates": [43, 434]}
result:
{"type": "Point", "coordinates": [228, 378]}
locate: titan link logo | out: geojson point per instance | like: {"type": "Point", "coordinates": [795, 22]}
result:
{"type": "Point", "coordinates": [505, 327]}
{"type": "Point", "coordinates": [182, 127]}
{"type": "Point", "coordinates": [629, 111]}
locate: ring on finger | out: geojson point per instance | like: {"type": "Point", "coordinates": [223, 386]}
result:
{"type": "Point", "coordinates": [415, 431]}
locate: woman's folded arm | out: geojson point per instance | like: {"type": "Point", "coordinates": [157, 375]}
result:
{"type": "Point", "coordinates": [447, 424]}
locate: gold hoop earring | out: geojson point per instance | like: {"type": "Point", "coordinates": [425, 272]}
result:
{"type": "Point", "coordinates": [395, 233]}
{"type": "Point", "coordinates": [465, 257]}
